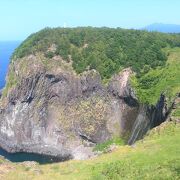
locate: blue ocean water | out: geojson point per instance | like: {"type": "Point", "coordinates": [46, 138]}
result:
{"type": "Point", "coordinates": [6, 50]}
{"type": "Point", "coordinates": [21, 157]}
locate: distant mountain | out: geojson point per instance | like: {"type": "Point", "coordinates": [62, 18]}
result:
{"type": "Point", "coordinates": [166, 28]}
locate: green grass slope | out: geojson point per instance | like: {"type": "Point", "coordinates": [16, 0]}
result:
{"type": "Point", "coordinates": [160, 80]}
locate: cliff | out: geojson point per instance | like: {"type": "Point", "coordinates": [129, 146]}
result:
{"type": "Point", "coordinates": [48, 108]}
{"type": "Point", "coordinates": [56, 112]}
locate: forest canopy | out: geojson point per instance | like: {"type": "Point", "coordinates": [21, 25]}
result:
{"type": "Point", "coordinates": [107, 50]}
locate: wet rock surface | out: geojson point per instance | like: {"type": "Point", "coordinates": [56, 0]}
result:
{"type": "Point", "coordinates": [150, 117]}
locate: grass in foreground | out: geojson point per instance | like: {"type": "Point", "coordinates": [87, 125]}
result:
{"type": "Point", "coordinates": [156, 157]}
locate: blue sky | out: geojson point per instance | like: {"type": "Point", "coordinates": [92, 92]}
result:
{"type": "Point", "coordinates": [20, 18]}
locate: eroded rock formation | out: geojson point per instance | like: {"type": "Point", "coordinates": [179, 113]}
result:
{"type": "Point", "coordinates": [46, 108]}
{"type": "Point", "coordinates": [53, 111]}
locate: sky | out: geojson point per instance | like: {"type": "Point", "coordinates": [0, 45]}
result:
{"type": "Point", "coordinates": [20, 18]}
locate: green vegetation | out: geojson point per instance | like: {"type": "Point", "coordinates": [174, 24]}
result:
{"type": "Point", "coordinates": [109, 51]}
{"type": "Point", "coordinates": [160, 80]}
{"type": "Point", "coordinates": [156, 157]}
{"type": "Point", "coordinates": [12, 81]}
{"type": "Point", "coordinates": [176, 112]}
{"type": "Point", "coordinates": [104, 146]}
{"type": "Point", "coordinates": [104, 49]}
{"type": "Point", "coordinates": [155, 58]}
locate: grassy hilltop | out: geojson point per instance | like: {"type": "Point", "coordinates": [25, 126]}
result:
{"type": "Point", "coordinates": [154, 57]}
{"type": "Point", "coordinates": [104, 49]}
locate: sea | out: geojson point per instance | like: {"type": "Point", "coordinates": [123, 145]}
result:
{"type": "Point", "coordinates": [6, 50]}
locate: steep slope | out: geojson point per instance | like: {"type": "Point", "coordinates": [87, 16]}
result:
{"type": "Point", "coordinates": [161, 82]}
{"type": "Point", "coordinates": [164, 80]}
{"type": "Point", "coordinates": [56, 104]}
{"type": "Point", "coordinates": [56, 112]}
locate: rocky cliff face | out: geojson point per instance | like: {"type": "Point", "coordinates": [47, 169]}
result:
{"type": "Point", "coordinates": [46, 108]}
{"type": "Point", "coordinates": [150, 117]}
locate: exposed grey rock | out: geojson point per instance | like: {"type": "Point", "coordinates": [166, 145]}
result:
{"type": "Point", "coordinates": [142, 124]}
{"type": "Point", "coordinates": [129, 106]}
{"type": "Point", "coordinates": [149, 117]}
{"type": "Point", "coordinates": [54, 112]}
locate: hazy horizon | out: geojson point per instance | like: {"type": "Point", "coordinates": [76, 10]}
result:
{"type": "Point", "coordinates": [21, 18]}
